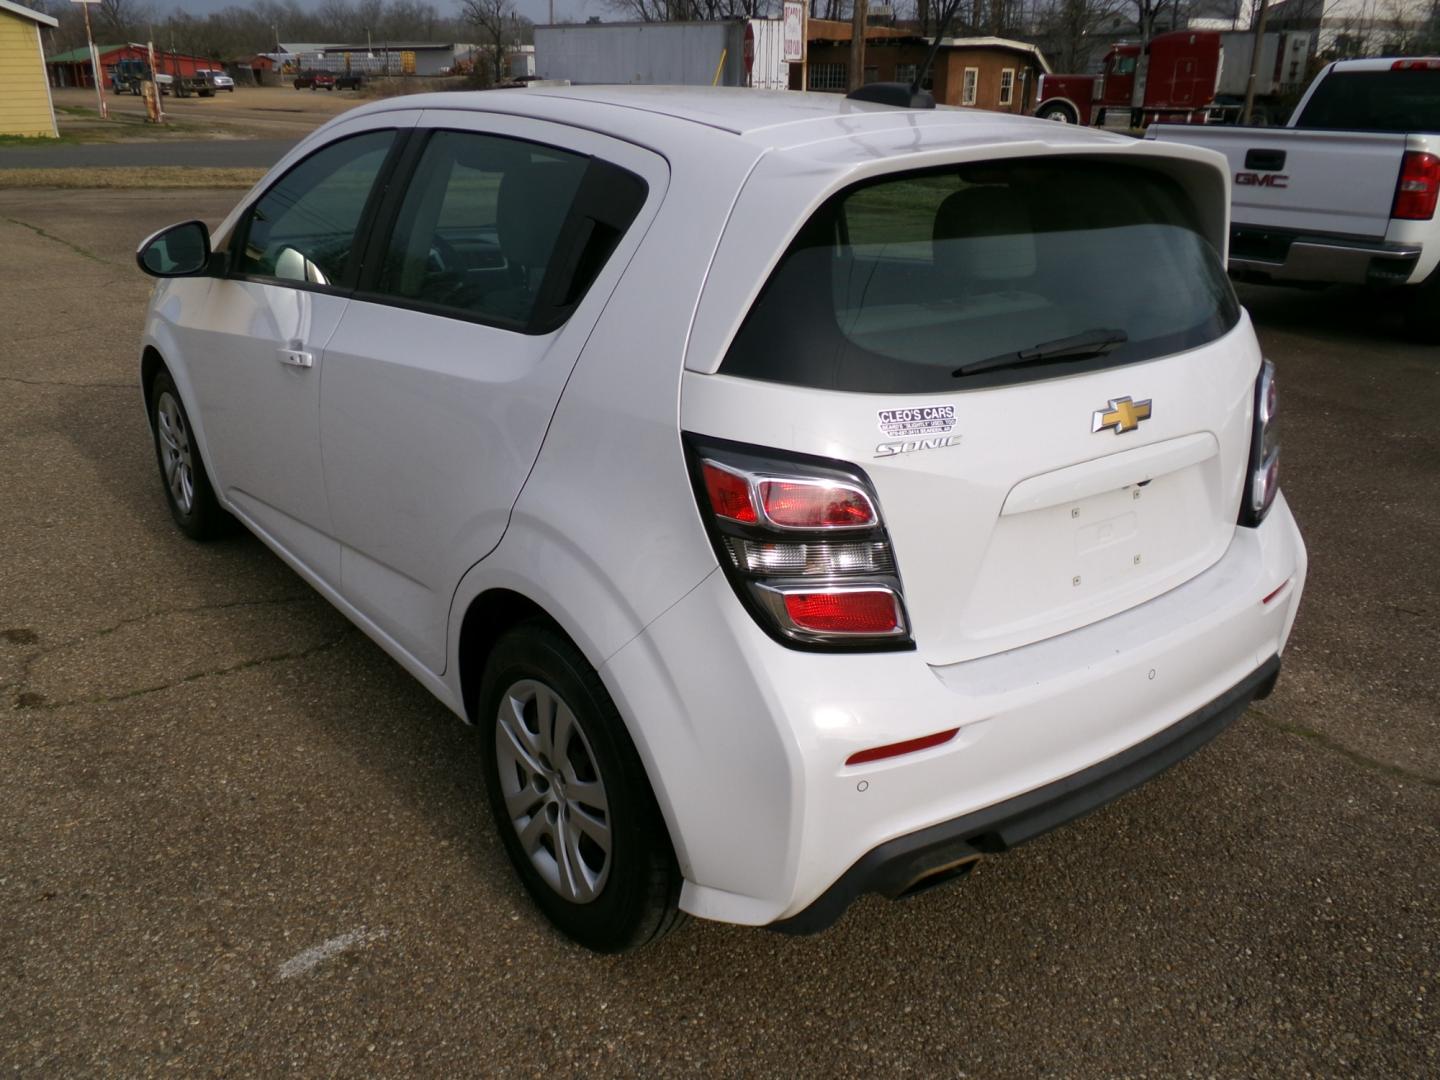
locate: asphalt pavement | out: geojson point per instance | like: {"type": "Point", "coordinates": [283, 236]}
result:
{"type": "Point", "coordinates": [212, 153]}
{"type": "Point", "coordinates": [240, 840]}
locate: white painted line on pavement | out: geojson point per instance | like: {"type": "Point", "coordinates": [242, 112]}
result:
{"type": "Point", "coordinates": [303, 962]}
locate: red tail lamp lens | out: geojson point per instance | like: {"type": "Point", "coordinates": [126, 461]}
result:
{"type": "Point", "coordinates": [729, 494]}
{"type": "Point", "coordinates": [853, 611]}
{"type": "Point", "coordinates": [816, 505]}
{"type": "Point", "coordinates": [1418, 188]}
{"type": "Point", "coordinates": [909, 746]}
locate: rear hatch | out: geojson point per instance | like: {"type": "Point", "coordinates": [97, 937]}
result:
{"type": "Point", "coordinates": [1025, 496]}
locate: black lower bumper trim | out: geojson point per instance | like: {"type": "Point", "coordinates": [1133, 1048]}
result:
{"type": "Point", "coordinates": [895, 867]}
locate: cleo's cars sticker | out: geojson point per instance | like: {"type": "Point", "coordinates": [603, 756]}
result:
{"type": "Point", "coordinates": [913, 423]}
{"type": "Point", "coordinates": [926, 428]}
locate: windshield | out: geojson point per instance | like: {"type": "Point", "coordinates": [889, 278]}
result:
{"type": "Point", "coordinates": [894, 285]}
{"type": "Point", "coordinates": [1394, 101]}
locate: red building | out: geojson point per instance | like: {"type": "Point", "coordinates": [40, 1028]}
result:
{"type": "Point", "coordinates": [73, 68]}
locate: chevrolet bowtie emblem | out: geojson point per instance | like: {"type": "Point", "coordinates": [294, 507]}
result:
{"type": "Point", "coordinates": [1123, 415]}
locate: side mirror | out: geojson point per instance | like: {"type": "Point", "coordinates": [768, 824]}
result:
{"type": "Point", "coordinates": [178, 251]}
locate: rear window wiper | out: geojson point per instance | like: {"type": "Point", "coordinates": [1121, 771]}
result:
{"type": "Point", "coordinates": [1080, 346]}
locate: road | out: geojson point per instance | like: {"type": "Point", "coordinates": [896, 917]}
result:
{"type": "Point", "coordinates": [241, 840]}
{"type": "Point", "coordinates": [219, 153]}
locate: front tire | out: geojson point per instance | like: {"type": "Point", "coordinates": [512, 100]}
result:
{"type": "Point", "coordinates": [570, 797]}
{"type": "Point", "coordinates": [187, 487]}
{"type": "Point", "coordinates": [1059, 112]}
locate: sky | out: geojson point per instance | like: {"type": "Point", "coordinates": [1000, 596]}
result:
{"type": "Point", "coordinates": [537, 10]}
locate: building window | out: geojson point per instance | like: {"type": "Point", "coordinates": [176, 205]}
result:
{"type": "Point", "coordinates": [829, 76]}
{"type": "Point", "coordinates": [906, 72]}
{"type": "Point", "coordinates": [972, 81]}
{"type": "Point", "coordinates": [1007, 86]}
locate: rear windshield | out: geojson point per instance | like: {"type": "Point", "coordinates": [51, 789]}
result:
{"type": "Point", "coordinates": [1396, 101]}
{"type": "Point", "coordinates": [894, 284]}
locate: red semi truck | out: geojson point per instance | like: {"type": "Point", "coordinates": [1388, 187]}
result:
{"type": "Point", "coordinates": [1183, 77]}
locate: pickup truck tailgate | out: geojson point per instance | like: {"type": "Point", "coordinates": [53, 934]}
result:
{"type": "Point", "coordinates": [1336, 182]}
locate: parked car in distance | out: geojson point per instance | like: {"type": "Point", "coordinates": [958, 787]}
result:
{"type": "Point", "coordinates": [771, 478]}
{"type": "Point", "coordinates": [1346, 193]}
{"type": "Point", "coordinates": [315, 80]}
{"type": "Point", "coordinates": [218, 79]}
{"type": "Point", "coordinates": [350, 81]}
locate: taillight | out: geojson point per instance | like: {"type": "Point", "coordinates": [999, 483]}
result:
{"type": "Point", "coordinates": [803, 544]}
{"type": "Point", "coordinates": [1263, 478]}
{"type": "Point", "coordinates": [1418, 187]}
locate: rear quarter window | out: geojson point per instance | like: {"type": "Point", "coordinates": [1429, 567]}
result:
{"type": "Point", "coordinates": [896, 283]}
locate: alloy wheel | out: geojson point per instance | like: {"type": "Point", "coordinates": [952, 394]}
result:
{"type": "Point", "coordinates": [554, 795]}
{"type": "Point", "coordinates": [175, 454]}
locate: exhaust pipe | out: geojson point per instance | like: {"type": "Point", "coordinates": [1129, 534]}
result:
{"type": "Point", "coordinates": [938, 875]}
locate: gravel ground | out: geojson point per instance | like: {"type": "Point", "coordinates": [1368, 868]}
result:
{"type": "Point", "coordinates": [240, 840]}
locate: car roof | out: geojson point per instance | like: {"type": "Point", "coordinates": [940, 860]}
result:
{"type": "Point", "coordinates": [774, 119]}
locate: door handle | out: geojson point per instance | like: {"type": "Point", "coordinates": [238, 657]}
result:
{"type": "Point", "coordinates": [297, 358]}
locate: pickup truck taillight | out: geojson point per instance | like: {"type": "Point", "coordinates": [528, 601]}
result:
{"type": "Point", "coordinates": [1418, 187]}
{"type": "Point", "coordinates": [804, 546]}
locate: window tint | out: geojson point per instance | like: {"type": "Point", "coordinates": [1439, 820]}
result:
{"type": "Point", "coordinates": [1398, 101]}
{"type": "Point", "coordinates": [895, 284]}
{"type": "Point", "coordinates": [303, 228]}
{"type": "Point", "coordinates": [480, 224]}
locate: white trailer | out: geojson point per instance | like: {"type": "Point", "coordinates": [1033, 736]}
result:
{"type": "Point", "coordinates": [742, 52]}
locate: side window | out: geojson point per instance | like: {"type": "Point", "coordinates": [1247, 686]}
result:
{"type": "Point", "coordinates": [482, 221]}
{"type": "Point", "coordinates": [303, 228]}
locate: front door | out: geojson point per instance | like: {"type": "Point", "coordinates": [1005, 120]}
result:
{"type": "Point", "coordinates": [257, 350]}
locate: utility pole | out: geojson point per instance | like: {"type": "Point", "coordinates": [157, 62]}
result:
{"type": "Point", "coordinates": [857, 43]}
{"type": "Point", "coordinates": [1254, 65]}
{"type": "Point", "coordinates": [94, 60]}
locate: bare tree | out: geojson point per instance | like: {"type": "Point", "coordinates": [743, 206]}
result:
{"type": "Point", "coordinates": [498, 24]}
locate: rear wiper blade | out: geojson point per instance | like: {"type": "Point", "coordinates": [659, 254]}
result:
{"type": "Point", "coordinates": [1080, 346]}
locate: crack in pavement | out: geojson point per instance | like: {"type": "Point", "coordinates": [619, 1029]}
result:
{"type": "Point", "coordinates": [81, 385]}
{"type": "Point", "coordinates": [60, 240]}
{"type": "Point", "coordinates": [1352, 756]}
{"type": "Point", "coordinates": [243, 665]}
{"type": "Point", "coordinates": [20, 684]}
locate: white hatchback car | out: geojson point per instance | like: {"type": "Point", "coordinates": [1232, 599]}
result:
{"type": "Point", "coordinates": [803, 497]}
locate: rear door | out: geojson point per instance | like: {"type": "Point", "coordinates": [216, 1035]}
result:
{"type": "Point", "coordinates": [486, 275]}
{"type": "Point", "coordinates": [1023, 500]}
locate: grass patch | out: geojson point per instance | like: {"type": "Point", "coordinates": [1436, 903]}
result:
{"type": "Point", "coordinates": [160, 176]}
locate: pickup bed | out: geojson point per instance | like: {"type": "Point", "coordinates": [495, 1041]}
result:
{"type": "Point", "coordinates": [1346, 193]}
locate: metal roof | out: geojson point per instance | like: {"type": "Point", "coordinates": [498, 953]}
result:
{"type": "Point", "coordinates": [28, 13]}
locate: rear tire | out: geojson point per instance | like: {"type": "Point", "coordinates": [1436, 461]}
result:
{"type": "Point", "coordinates": [1422, 316]}
{"type": "Point", "coordinates": [570, 797]}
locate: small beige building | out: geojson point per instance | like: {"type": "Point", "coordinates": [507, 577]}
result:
{"type": "Point", "coordinates": [25, 105]}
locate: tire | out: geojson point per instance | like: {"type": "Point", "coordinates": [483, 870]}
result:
{"type": "Point", "coordinates": [611, 900]}
{"type": "Point", "coordinates": [1422, 314]}
{"type": "Point", "coordinates": [183, 477]}
{"type": "Point", "coordinates": [1059, 112]}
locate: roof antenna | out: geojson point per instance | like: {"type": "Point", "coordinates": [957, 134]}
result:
{"type": "Point", "coordinates": [903, 95]}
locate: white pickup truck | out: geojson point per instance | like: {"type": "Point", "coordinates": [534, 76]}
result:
{"type": "Point", "coordinates": [1346, 192]}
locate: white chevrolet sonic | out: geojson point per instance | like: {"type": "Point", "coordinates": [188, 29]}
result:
{"type": "Point", "coordinates": [803, 497]}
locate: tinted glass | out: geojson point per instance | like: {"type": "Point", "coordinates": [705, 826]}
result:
{"type": "Point", "coordinates": [303, 228]}
{"type": "Point", "coordinates": [1397, 101]}
{"type": "Point", "coordinates": [895, 284]}
{"type": "Point", "coordinates": [479, 225]}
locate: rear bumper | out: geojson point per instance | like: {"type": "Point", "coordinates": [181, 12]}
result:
{"type": "Point", "coordinates": [747, 743]}
{"type": "Point", "coordinates": [910, 863]}
{"type": "Point", "coordinates": [1282, 256]}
